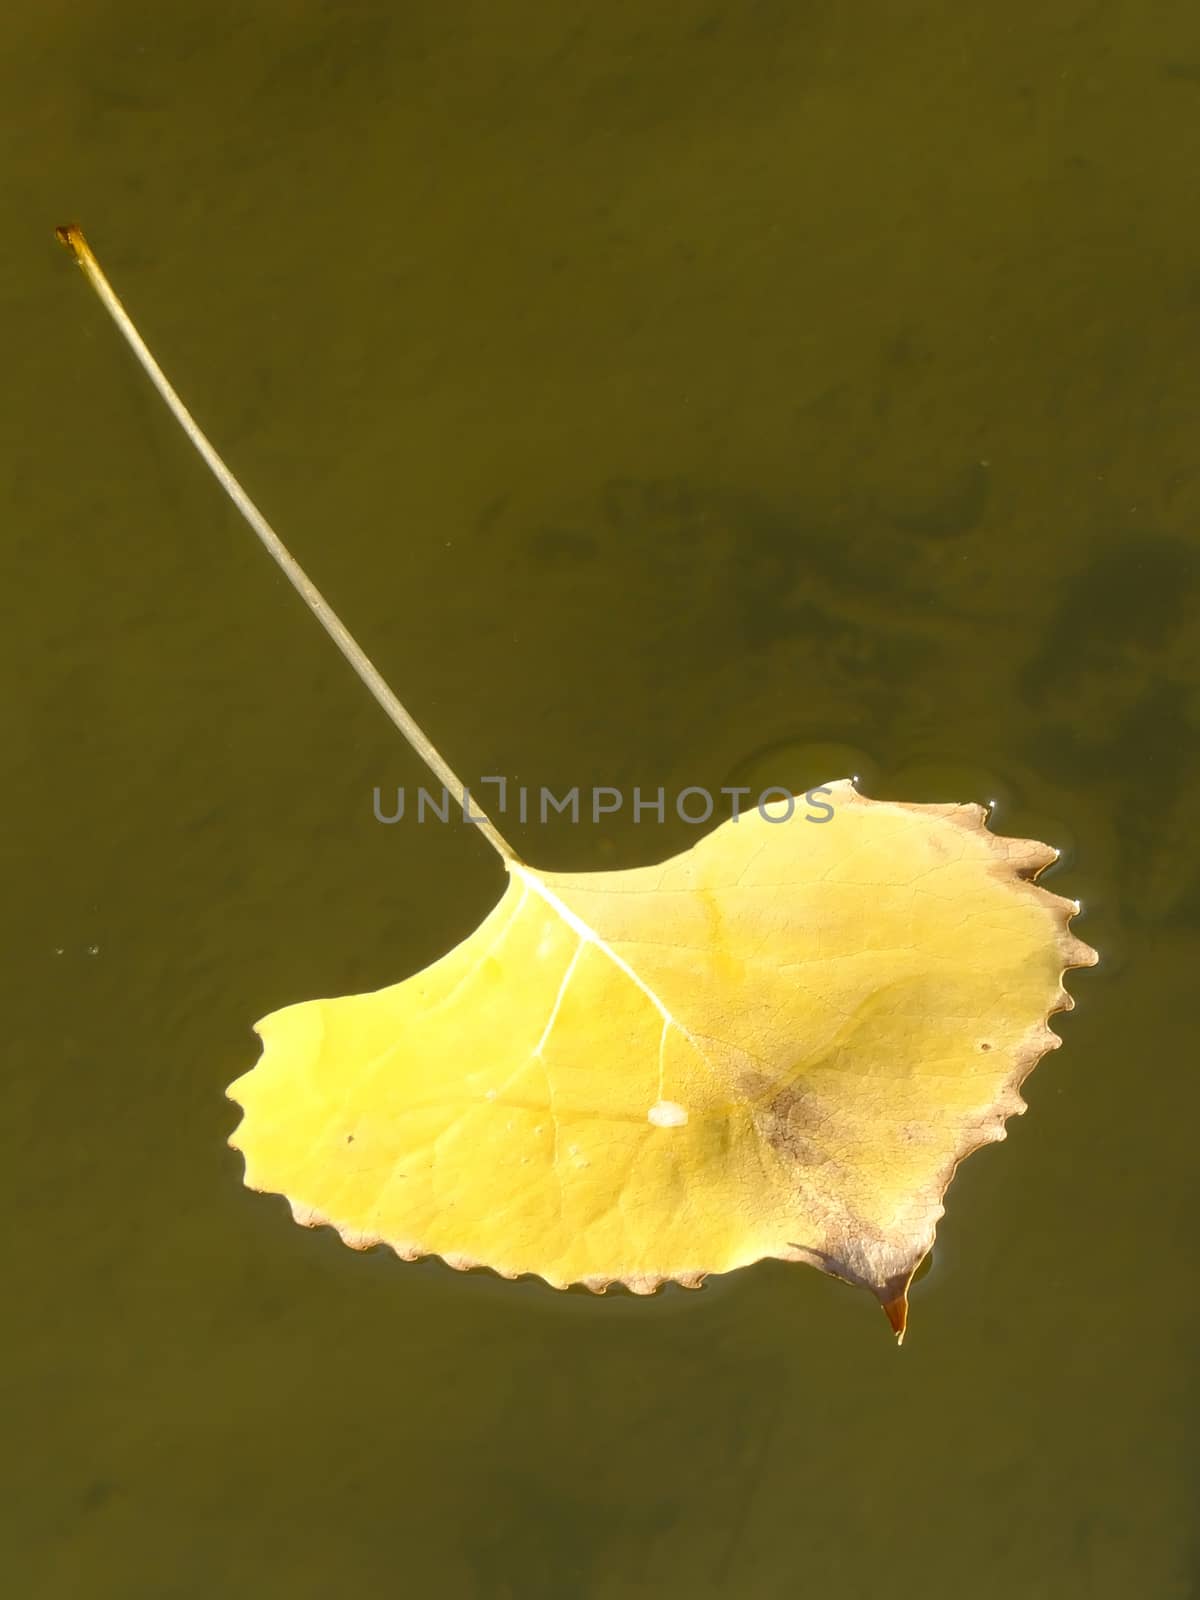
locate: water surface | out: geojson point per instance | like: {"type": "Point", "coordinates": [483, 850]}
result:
{"type": "Point", "coordinates": [660, 391]}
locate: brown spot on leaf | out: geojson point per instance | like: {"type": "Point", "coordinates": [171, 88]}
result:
{"type": "Point", "coordinates": [790, 1119]}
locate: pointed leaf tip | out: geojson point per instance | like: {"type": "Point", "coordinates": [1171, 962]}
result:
{"type": "Point", "coordinates": [895, 1309]}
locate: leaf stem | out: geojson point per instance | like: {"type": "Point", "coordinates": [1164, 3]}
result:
{"type": "Point", "coordinates": [71, 238]}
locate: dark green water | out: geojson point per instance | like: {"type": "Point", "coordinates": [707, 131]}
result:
{"type": "Point", "coordinates": [650, 386]}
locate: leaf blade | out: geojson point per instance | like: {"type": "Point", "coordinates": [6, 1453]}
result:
{"type": "Point", "coordinates": [780, 1043]}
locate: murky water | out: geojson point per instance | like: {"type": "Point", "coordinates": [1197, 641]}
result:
{"type": "Point", "coordinates": [663, 392]}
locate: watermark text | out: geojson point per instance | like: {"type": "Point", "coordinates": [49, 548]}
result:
{"type": "Point", "coordinates": [695, 805]}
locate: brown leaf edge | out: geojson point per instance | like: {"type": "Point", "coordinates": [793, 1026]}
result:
{"type": "Point", "coordinates": [1015, 859]}
{"type": "Point", "coordinates": [1023, 859]}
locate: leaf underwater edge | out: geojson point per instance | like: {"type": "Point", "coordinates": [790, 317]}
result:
{"type": "Point", "coordinates": [1022, 860]}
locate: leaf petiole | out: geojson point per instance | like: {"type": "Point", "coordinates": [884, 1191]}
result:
{"type": "Point", "coordinates": [70, 236]}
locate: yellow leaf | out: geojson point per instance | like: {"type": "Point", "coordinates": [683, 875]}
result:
{"type": "Point", "coordinates": [780, 1043]}
{"type": "Point", "coordinates": [777, 1044]}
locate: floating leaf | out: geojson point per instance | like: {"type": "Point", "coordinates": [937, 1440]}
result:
{"type": "Point", "coordinates": [777, 1044]}
{"type": "Point", "coordinates": [780, 1043]}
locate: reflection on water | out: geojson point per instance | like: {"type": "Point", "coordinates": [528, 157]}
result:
{"type": "Point", "coordinates": [663, 393]}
